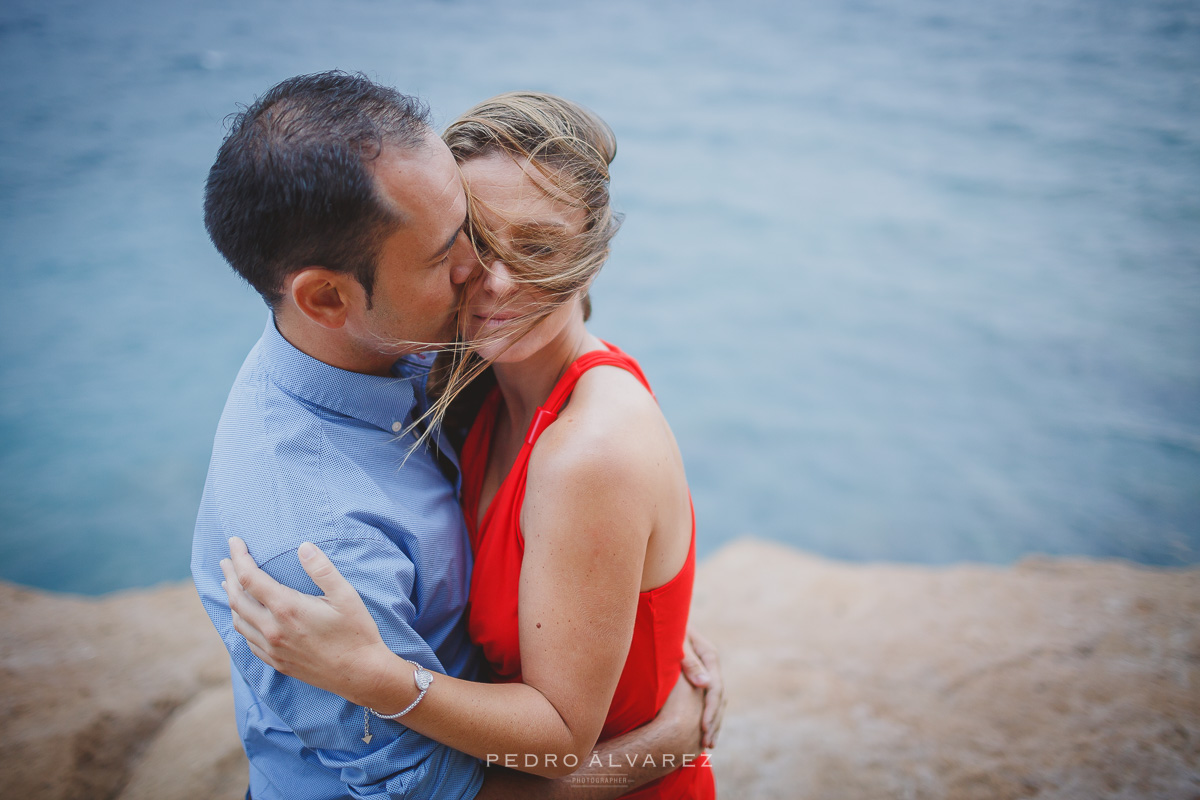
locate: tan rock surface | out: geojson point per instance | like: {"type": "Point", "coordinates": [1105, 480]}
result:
{"type": "Point", "coordinates": [1052, 679]}
{"type": "Point", "coordinates": [86, 684]}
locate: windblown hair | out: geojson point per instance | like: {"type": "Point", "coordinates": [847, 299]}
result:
{"type": "Point", "coordinates": [569, 149]}
{"type": "Point", "coordinates": [291, 186]}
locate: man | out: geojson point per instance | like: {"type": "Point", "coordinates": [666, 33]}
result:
{"type": "Point", "coordinates": [333, 198]}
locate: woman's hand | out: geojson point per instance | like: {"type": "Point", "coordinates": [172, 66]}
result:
{"type": "Point", "coordinates": [330, 642]}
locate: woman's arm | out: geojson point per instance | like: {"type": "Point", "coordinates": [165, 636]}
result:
{"type": "Point", "coordinates": [327, 641]}
{"type": "Point", "coordinates": [586, 521]}
{"type": "Point", "coordinates": [322, 640]}
{"type": "Point", "coordinates": [584, 550]}
{"type": "Point", "coordinates": [595, 492]}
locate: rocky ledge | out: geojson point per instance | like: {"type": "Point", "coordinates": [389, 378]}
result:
{"type": "Point", "coordinates": [1049, 679]}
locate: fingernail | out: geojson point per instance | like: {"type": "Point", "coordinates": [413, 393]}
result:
{"type": "Point", "coordinates": [223, 585]}
{"type": "Point", "coordinates": [307, 551]}
{"type": "Point", "coordinates": [702, 676]}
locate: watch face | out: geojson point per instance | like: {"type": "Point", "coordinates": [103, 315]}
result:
{"type": "Point", "coordinates": [424, 680]}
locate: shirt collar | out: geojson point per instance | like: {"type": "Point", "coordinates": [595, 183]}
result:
{"type": "Point", "coordinates": [384, 402]}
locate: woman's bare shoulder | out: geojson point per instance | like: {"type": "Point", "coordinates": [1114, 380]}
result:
{"type": "Point", "coordinates": [607, 442]}
{"type": "Point", "coordinates": [610, 417]}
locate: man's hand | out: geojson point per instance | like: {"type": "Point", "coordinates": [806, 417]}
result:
{"type": "Point", "coordinates": [702, 667]}
{"type": "Point", "coordinates": [673, 733]}
{"type": "Point", "coordinates": [330, 642]}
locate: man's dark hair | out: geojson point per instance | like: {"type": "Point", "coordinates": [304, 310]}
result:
{"type": "Point", "coordinates": [290, 187]}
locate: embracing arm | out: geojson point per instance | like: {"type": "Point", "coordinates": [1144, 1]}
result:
{"type": "Point", "coordinates": [640, 756]}
{"type": "Point", "coordinates": [322, 641]}
{"type": "Point", "coordinates": [394, 762]}
{"type": "Point", "coordinates": [578, 598]}
{"type": "Point", "coordinates": [590, 508]}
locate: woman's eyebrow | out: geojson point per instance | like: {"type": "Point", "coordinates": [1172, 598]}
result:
{"type": "Point", "coordinates": [537, 226]}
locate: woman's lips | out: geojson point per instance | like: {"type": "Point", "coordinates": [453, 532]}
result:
{"type": "Point", "coordinates": [493, 320]}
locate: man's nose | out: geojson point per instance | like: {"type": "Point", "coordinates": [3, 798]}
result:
{"type": "Point", "coordinates": [463, 261]}
{"type": "Point", "coordinates": [460, 273]}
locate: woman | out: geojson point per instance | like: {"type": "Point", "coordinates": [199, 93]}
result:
{"type": "Point", "coordinates": [573, 487]}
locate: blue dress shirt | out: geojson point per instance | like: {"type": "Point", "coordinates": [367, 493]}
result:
{"type": "Point", "coordinates": [308, 452]}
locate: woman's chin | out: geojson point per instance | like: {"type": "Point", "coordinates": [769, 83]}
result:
{"type": "Point", "coordinates": [487, 348]}
{"type": "Point", "coordinates": [506, 350]}
{"type": "Point", "coordinates": [499, 353]}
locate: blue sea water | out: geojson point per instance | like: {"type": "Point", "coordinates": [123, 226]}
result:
{"type": "Point", "coordinates": [913, 280]}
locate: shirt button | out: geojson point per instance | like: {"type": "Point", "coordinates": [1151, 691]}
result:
{"type": "Point", "coordinates": [397, 427]}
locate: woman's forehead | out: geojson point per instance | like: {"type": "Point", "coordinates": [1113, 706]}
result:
{"type": "Point", "coordinates": [514, 192]}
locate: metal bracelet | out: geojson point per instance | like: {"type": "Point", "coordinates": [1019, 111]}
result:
{"type": "Point", "coordinates": [423, 679]}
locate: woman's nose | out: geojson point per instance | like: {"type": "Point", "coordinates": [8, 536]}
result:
{"type": "Point", "coordinates": [497, 279]}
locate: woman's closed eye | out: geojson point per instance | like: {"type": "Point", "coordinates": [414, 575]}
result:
{"type": "Point", "coordinates": [534, 248]}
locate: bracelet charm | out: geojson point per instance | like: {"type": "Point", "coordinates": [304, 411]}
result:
{"type": "Point", "coordinates": [422, 677]}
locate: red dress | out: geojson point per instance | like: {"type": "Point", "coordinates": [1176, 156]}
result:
{"type": "Point", "coordinates": [652, 667]}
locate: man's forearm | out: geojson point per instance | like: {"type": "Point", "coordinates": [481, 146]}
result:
{"type": "Point", "coordinates": [612, 770]}
{"type": "Point", "coordinates": [616, 766]}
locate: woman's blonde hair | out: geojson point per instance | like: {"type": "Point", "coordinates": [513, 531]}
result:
{"type": "Point", "coordinates": [567, 150]}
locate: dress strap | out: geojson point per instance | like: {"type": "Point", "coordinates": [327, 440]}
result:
{"type": "Point", "coordinates": [613, 357]}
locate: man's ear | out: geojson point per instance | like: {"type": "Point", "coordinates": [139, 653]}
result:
{"type": "Point", "coordinates": [324, 296]}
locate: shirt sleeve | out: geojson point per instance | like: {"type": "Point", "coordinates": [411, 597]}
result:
{"type": "Point", "coordinates": [397, 762]}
